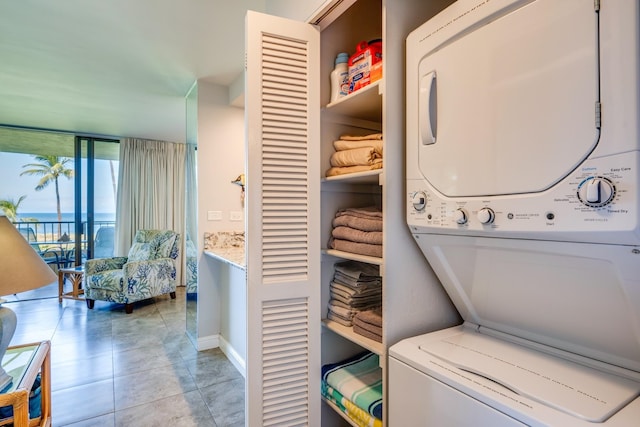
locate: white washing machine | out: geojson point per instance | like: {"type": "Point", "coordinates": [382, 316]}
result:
{"type": "Point", "coordinates": [523, 148]}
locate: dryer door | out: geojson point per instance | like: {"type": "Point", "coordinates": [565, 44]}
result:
{"type": "Point", "coordinates": [508, 105]}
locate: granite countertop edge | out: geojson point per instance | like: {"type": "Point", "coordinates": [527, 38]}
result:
{"type": "Point", "coordinates": [232, 256]}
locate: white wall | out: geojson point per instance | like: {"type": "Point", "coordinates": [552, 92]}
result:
{"type": "Point", "coordinates": [232, 287]}
{"type": "Point", "coordinates": [220, 160]}
{"type": "Point", "coordinates": [293, 9]}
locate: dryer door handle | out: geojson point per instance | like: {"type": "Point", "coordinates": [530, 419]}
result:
{"type": "Point", "coordinates": [427, 111]}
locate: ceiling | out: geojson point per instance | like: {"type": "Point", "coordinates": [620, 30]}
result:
{"type": "Point", "coordinates": [116, 68]}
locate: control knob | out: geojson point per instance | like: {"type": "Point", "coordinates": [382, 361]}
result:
{"type": "Point", "coordinates": [419, 200]}
{"type": "Point", "coordinates": [596, 191]}
{"type": "Point", "coordinates": [460, 216]}
{"type": "Point", "coordinates": [486, 215]}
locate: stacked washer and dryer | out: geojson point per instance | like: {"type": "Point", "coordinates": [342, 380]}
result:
{"type": "Point", "coordinates": [523, 149]}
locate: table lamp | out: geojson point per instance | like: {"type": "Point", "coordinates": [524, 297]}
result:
{"type": "Point", "coordinates": [21, 269]}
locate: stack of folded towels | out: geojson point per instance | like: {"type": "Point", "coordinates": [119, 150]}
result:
{"type": "Point", "coordinates": [358, 231]}
{"type": "Point", "coordinates": [369, 324]}
{"type": "Point", "coordinates": [355, 287]}
{"type": "Point", "coordinates": [356, 154]}
{"type": "Point", "coordinates": [354, 385]}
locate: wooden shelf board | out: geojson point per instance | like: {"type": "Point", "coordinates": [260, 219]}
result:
{"type": "Point", "coordinates": [365, 103]}
{"type": "Point", "coordinates": [342, 414]}
{"type": "Point", "coordinates": [354, 257]}
{"type": "Point", "coordinates": [366, 177]}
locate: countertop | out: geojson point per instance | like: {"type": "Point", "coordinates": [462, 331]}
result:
{"type": "Point", "coordinates": [233, 256]}
{"type": "Point", "coordinates": [226, 246]}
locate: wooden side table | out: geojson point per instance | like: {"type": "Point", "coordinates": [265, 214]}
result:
{"type": "Point", "coordinates": [74, 274]}
{"type": "Point", "coordinates": [23, 363]}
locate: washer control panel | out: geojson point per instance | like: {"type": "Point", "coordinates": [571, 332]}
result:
{"type": "Point", "coordinates": [598, 202]}
{"type": "Point", "coordinates": [596, 191]}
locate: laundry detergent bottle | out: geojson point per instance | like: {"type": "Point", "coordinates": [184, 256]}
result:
{"type": "Point", "coordinates": [340, 77]}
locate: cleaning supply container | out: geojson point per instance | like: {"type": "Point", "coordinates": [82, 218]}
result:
{"type": "Point", "coordinates": [365, 66]}
{"type": "Point", "coordinates": [340, 77]}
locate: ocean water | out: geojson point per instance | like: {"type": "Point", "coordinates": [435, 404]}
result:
{"type": "Point", "coordinates": [47, 227]}
{"type": "Point", "coordinates": [66, 216]}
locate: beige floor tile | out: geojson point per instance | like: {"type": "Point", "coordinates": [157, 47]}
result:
{"type": "Point", "coordinates": [112, 369]}
{"type": "Point", "coordinates": [185, 410]}
{"type": "Point", "coordinates": [73, 373]}
{"type": "Point", "coordinates": [108, 420]}
{"type": "Point", "coordinates": [153, 384]}
{"type": "Point", "coordinates": [79, 403]}
{"type": "Point", "coordinates": [226, 402]}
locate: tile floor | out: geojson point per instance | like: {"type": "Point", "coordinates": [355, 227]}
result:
{"type": "Point", "coordinates": [113, 369]}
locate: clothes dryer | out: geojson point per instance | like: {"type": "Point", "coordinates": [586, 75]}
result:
{"type": "Point", "coordinates": [523, 148]}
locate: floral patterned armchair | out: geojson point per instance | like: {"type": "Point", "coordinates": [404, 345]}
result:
{"type": "Point", "coordinates": [192, 267]}
{"type": "Point", "coordinates": [149, 270]}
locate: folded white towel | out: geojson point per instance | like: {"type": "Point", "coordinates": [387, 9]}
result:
{"type": "Point", "coordinates": [341, 145]}
{"type": "Point", "coordinates": [357, 157]}
{"type": "Point", "coordinates": [361, 137]}
{"type": "Point", "coordinates": [344, 170]}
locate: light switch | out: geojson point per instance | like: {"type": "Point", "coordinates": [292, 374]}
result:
{"type": "Point", "coordinates": [235, 215]}
{"type": "Point", "coordinates": [214, 215]}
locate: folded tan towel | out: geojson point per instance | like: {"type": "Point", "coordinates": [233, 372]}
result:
{"type": "Point", "coordinates": [361, 137]}
{"type": "Point", "coordinates": [358, 222]}
{"type": "Point", "coordinates": [344, 311]}
{"type": "Point", "coordinates": [354, 283]}
{"type": "Point", "coordinates": [366, 303]}
{"type": "Point", "coordinates": [359, 271]}
{"type": "Point", "coordinates": [351, 292]}
{"type": "Point", "coordinates": [343, 301]}
{"type": "Point", "coordinates": [370, 317]}
{"type": "Point", "coordinates": [356, 248]}
{"type": "Point", "coordinates": [357, 156]}
{"type": "Point", "coordinates": [365, 333]}
{"type": "Point", "coordinates": [344, 170]}
{"type": "Point", "coordinates": [354, 235]}
{"type": "Point", "coordinates": [366, 326]}
{"type": "Point", "coordinates": [369, 323]}
{"type": "Point", "coordinates": [341, 144]}
{"type": "Point", "coordinates": [337, 318]}
{"type": "Point", "coordinates": [365, 212]}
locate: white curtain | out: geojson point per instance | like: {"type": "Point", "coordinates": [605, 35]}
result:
{"type": "Point", "coordinates": [151, 192]}
{"type": "Point", "coordinates": [192, 193]}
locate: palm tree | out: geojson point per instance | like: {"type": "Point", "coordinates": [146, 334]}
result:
{"type": "Point", "coordinates": [10, 208]}
{"type": "Point", "coordinates": [50, 168]}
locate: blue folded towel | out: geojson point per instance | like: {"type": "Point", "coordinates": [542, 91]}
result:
{"type": "Point", "coordinates": [359, 379]}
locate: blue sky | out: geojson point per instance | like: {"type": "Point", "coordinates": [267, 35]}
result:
{"type": "Point", "coordinates": [12, 186]}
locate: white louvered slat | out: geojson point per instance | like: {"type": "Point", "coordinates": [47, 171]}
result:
{"type": "Point", "coordinates": [285, 98]}
{"type": "Point", "coordinates": [282, 196]}
{"type": "Point", "coordinates": [274, 132]}
{"type": "Point", "coordinates": [285, 323]}
{"type": "Point", "coordinates": [291, 148]}
{"type": "Point", "coordinates": [276, 84]}
{"type": "Point", "coordinates": [300, 108]}
{"type": "Point", "coordinates": [286, 118]}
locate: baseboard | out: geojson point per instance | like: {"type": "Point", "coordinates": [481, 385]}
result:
{"type": "Point", "coordinates": [233, 356]}
{"type": "Point", "coordinates": [206, 343]}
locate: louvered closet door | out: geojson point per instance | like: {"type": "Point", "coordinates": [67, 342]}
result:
{"type": "Point", "coordinates": [282, 202]}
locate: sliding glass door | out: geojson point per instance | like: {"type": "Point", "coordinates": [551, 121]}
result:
{"type": "Point", "coordinates": [96, 177]}
{"type": "Point", "coordinates": [60, 192]}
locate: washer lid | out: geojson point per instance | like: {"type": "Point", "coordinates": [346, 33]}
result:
{"type": "Point", "coordinates": [507, 104]}
{"type": "Point", "coordinates": [563, 385]}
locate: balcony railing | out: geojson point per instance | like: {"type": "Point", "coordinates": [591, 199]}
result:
{"type": "Point", "coordinates": [54, 240]}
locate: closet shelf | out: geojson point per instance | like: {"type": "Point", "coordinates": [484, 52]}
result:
{"type": "Point", "coordinates": [353, 257]}
{"type": "Point", "coordinates": [365, 103]}
{"type": "Point", "coordinates": [347, 332]}
{"type": "Point", "coordinates": [342, 414]}
{"type": "Point", "coordinates": [367, 177]}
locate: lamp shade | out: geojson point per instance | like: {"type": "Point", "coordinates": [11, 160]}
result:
{"type": "Point", "coordinates": [21, 268]}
